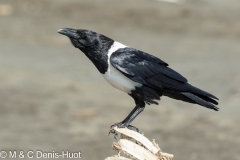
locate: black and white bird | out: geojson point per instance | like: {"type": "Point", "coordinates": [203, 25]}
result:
{"type": "Point", "coordinates": [142, 76]}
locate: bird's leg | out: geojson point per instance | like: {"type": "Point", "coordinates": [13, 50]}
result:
{"type": "Point", "coordinates": [126, 121]}
{"type": "Point", "coordinates": [130, 114]}
{"type": "Point", "coordinates": [140, 105]}
{"type": "Point", "coordinates": [132, 117]}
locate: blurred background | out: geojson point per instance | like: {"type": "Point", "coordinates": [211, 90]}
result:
{"type": "Point", "coordinates": [52, 98]}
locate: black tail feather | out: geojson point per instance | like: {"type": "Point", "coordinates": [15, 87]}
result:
{"type": "Point", "coordinates": [202, 100]}
{"type": "Point", "coordinates": [208, 99]}
{"type": "Point", "coordinates": [202, 93]}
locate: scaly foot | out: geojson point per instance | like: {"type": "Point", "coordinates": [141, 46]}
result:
{"type": "Point", "coordinates": [121, 125]}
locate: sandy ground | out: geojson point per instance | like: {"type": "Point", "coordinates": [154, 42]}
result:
{"type": "Point", "coordinates": [52, 98]}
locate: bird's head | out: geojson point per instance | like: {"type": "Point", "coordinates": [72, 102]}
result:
{"type": "Point", "coordinates": [94, 45]}
{"type": "Point", "coordinates": [83, 39]}
{"type": "Point", "coordinates": [80, 38]}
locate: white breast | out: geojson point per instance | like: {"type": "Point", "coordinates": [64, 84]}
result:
{"type": "Point", "coordinates": [115, 77]}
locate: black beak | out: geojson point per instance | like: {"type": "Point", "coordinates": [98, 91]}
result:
{"type": "Point", "coordinates": [71, 33]}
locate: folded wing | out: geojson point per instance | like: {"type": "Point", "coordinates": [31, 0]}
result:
{"type": "Point", "coordinates": [155, 73]}
{"type": "Point", "coordinates": [145, 68]}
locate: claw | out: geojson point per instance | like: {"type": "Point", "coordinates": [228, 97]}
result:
{"type": "Point", "coordinates": [121, 125]}
{"type": "Point", "coordinates": [133, 128]}
{"type": "Point", "coordinates": [113, 132]}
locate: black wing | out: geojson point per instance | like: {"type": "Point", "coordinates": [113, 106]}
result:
{"type": "Point", "coordinates": [151, 71]}
{"type": "Point", "coordinates": [145, 68]}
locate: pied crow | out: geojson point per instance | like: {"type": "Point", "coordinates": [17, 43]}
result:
{"type": "Point", "coordinates": [142, 76]}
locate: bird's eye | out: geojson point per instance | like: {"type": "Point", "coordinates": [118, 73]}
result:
{"type": "Point", "coordinates": [82, 35]}
{"type": "Point", "coordinates": [96, 42]}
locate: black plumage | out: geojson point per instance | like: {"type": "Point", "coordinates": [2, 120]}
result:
{"type": "Point", "coordinates": [158, 77]}
{"type": "Point", "coordinates": [143, 76]}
